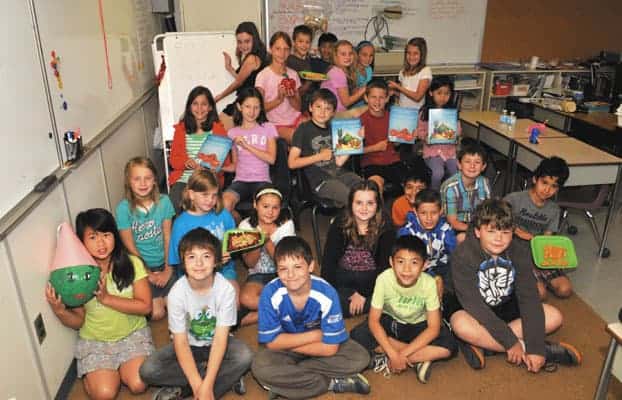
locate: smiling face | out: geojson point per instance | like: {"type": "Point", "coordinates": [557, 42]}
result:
{"type": "Point", "coordinates": [493, 240]}
{"type": "Point", "coordinates": [99, 244]}
{"type": "Point", "coordinates": [376, 101]}
{"type": "Point", "coordinates": [203, 202]}
{"type": "Point", "coordinates": [429, 215]}
{"type": "Point", "coordinates": [344, 55]}
{"type": "Point", "coordinates": [413, 55]}
{"type": "Point", "coordinates": [142, 182]}
{"type": "Point", "coordinates": [471, 165]}
{"type": "Point", "coordinates": [411, 188]}
{"type": "Point", "coordinates": [302, 44]}
{"type": "Point", "coordinates": [364, 206]}
{"type": "Point", "coordinates": [407, 266]}
{"type": "Point", "coordinates": [268, 208]}
{"type": "Point", "coordinates": [250, 109]}
{"type": "Point", "coordinates": [366, 56]}
{"type": "Point", "coordinates": [200, 108]}
{"type": "Point", "coordinates": [544, 188]}
{"type": "Point", "coordinates": [199, 263]}
{"type": "Point", "coordinates": [326, 50]}
{"type": "Point", "coordinates": [244, 43]}
{"type": "Point", "coordinates": [295, 273]}
{"type": "Point", "coordinates": [321, 112]}
{"type": "Point", "coordinates": [280, 51]}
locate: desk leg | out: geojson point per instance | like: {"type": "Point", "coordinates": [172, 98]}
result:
{"type": "Point", "coordinates": [612, 204]}
{"type": "Point", "coordinates": [511, 170]}
{"type": "Point", "coordinates": [605, 374]}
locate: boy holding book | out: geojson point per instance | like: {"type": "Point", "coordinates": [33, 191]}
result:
{"type": "Point", "coordinates": [535, 213]}
{"type": "Point", "coordinates": [312, 149]}
{"type": "Point", "coordinates": [307, 350]}
{"type": "Point", "coordinates": [404, 328]}
{"type": "Point", "coordinates": [203, 360]}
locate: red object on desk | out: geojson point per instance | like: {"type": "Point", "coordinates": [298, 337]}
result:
{"type": "Point", "coordinates": [502, 88]}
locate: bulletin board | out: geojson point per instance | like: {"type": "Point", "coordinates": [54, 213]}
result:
{"type": "Point", "coordinates": [453, 29]}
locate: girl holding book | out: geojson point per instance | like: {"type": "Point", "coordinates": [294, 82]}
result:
{"type": "Point", "coordinates": [414, 78]}
{"type": "Point", "coordinates": [440, 158]}
{"type": "Point", "coordinates": [199, 120]}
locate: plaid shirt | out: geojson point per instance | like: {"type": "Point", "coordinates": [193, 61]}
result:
{"type": "Point", "coordinates": [459, 201]}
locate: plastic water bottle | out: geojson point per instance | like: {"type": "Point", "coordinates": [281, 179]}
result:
{"type": "Point", "coordinates": [503, 119]}
{"type": "Point", "coordinates": [512, 119]}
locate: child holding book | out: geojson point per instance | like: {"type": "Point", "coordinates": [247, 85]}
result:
{"type": "Point", "coordinates": [380, 161]}
{"type": "Point", "coordinates": [279, 86]}
{"type": "Point", "coordinates": [203, 360]}
{"type": "Point", "coordinates": [199, 120]}
{"type": "Point", "coordinates": [404, 328]}
{"type": "Point", "coordinates": [312, 150]}
{"type": "Point", "coordinates": [254, 148]}
{"type": "Point", "coordinates": [307, 350]}
{"type": "Point", "coordinates": [535, 213]}
{"type": "Point", "coordinates": [462, 192]}
{"type": "Point", "coordinates": [357, 248]}
{"type": "Point", "coordinates": [414, 181]}
{"type": "Point", "coordinates": [414, 77]}
{"type": "Point", "coordinates": [493, 303]}
{"type": "Point", "coordinates": [440, 158]}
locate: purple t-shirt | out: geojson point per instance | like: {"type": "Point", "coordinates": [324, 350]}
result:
{"type": "Point", "coordinates": [337, 79]}
{"type": "Point", "coordinates": [250, 168]}
{"type": "Point", "coordinates": [269, 81]}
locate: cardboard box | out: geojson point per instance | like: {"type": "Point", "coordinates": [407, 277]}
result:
{"type": "Point", "coordinates": [520, 89]}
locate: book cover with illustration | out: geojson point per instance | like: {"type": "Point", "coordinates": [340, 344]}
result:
{"type": "Point", "coordinates": [443, 126]}
{"type": "Point", "coordinates": [403, 124]}
{"type": "Point", "coordinates": [213, 152]}
{"type": "Point", "coordinates": [346, 135]}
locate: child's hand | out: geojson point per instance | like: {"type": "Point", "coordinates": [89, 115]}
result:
{"type": "Point", "coordinates": [55, 300]}
{"type": "Point", "coordinates": [394, 85]}
{"type": "Point", "coordinates": [516, 353]}
{"type": "Point", "coordinates": [397, 362]}
{"type": "Point", "coordinates": [357, 303]}
{"type": "Point", "coordinates": [382, 146]}
{"type": "Point", "coordinates": [241, 141]}
{"type": "Point", "coordinates": [205, 392]}
{"type": "Point", "coordinates": [102, 292]}
{"type": "Point", "coordinates": [533, 362]}
{"type": "Point", "coordinates": [362, 132]}
{"type": "Point", "coordinates": [191, 164]}
{"type": "Point", "coordinates": [226, 257]}
{"type": "Point", "coordinates": [228, 65]}
{"type": "Point", "coordinates": [326, 154]}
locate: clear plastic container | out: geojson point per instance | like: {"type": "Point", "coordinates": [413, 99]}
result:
{"type": "Point", "coordinates": [503, 119]}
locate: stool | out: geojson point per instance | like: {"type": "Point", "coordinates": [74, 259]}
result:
{"type": "Point", "coordinates": [615, 330]}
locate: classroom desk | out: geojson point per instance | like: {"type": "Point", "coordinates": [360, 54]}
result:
{"type": "Point", "coordinates": [615, 331]}
{"type": "Point", "coordinates": [470, 121]}
{"type": "Point", "coordinates": [588, 165]}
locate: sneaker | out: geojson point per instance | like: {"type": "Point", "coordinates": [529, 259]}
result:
{"type": "Point", "coordinates": [353, 384]}
{"type": "Point", "coordinates": [473, 355]}
{"type": "Point", "coordinates": [239, 387]}
{"type": "Point", "coordinates": [380, 364]}
{"type": "Point", "coordinates": [168, 393]}
{"type": "Point", "coordinates": [562, 353]}
{"type": "Point", "coordinates": [423, 370]}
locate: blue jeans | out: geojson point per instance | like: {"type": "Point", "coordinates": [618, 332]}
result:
{"type": "Point", "coordinates": [163, 369]}
{"type": "Point", "coordinates": [441, 168]}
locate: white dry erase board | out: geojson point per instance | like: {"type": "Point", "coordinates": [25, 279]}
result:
{"type": "Point", "coordinates": [191, 59]}
{"type": "Point", "coordinates": [453, 29]}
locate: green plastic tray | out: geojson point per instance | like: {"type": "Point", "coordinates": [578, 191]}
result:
{"type": "Point", "coordinates": [225, 240]}
{"type": "Point", "coordinates": [537, 250]}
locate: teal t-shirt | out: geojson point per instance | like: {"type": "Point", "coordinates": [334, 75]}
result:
{"type": "Point", "coordinates": [146, 226]}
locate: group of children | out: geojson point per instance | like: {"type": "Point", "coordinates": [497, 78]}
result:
{"type": "Point", "coordinates": [442, 272]}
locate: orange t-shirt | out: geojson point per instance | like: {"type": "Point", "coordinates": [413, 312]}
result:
{"type": "Point", "coordinates": [400, 208]}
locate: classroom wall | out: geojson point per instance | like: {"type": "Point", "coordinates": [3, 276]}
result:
{"type": "Point", "coordinates": [566, 29]}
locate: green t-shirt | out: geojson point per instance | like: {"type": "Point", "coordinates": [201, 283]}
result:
{"type": "Point", "coordinates": [194, 142]}
{"type": "Point", "coordinates": [407, 305]}
{"type": "Point", "coordinates": [106, 324]}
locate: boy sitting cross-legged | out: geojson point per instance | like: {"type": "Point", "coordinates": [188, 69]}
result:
{"type": "Point", "coordinates": [535, 213]}
{"type": "Point", "coordinates": [307, 350]}
{"type": "Point", "coordinates": [405, 317]}
{"type": "Point", "coordinates": [203, 360]}
{"type": "Point", "coordinates": [414, 181]}
{"type": "Point", "coordinates": [494, 305]}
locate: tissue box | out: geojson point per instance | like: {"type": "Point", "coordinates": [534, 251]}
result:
{"type": "Point", "coordinates": [520, 90]}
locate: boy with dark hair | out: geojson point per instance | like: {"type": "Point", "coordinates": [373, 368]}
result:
{"type": "Point", "coordinates": [299, 60]}
{"type": "Point", "coordinates": [535, 213]}
{"type": "Point", "coordinates": [312, 150]}
{"type": "Point", "coordinates": [414, 181]}
{"type": "Point", "coordinates": [462, 192]}
{"type": "Point", "coordinates": [493, 305]}
{"type": "Point", "coordinates": [307, 350]}
{"type": "Point", "coordinates": [429, 225]}
{"type": "Point", "coordinates": [203, 360]}
{"type": "Point", "coordinates": [404, 327]}
{"type": "Point", "coordinates": [380, 161]}
{"type": "Point", "coordinates": [325, 44]}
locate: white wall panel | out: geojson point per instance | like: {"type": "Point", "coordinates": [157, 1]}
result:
{"type": "Point", "coordinates": [85, 187]}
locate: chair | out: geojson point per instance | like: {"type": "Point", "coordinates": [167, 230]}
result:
{"type": "Point", "coordinates": [599, 194]}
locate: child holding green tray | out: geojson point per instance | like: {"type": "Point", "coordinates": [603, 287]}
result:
{"type": "Point", "coordinates": [535, 213]}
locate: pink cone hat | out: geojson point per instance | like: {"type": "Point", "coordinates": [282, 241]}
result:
{"type": "Point", "coordinates": [69, 250]}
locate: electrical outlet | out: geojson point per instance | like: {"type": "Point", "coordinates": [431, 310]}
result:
{"type": "Point", "coordinates": [40, 328]}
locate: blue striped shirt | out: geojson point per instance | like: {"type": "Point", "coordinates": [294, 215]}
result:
{"type": "Point", "coordinates": [459, 201]}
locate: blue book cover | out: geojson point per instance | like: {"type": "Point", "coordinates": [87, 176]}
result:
{"type": "Point", "coordinates": [443, 126]}
{"type": "Point", "coordinates": [403, 124]}
{"type": "Point", "coordinates": [213, 152]}
{"type": "Point", "coordinates": [346, 135]}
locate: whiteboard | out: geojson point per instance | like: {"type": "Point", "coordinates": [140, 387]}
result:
{"type": "Point", "coordinates": [102, 70]}
{"type": "Point", "coordinates": [453, 29]}
{"type": "Point", "coordinates": [27, 149]}
{"type": "Point", "coordinates": [192, 59]}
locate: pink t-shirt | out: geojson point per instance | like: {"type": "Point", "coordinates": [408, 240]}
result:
{"type": "Point", "coordinates": [250, 168]}
{"type": "Point", "coordinates": [337, 79]}
{"type": "Point", "coordinates": [268, 80]}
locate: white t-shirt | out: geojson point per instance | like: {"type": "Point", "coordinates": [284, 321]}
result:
{"type": "Point", "coordinates": [200, 314]}
{"type": "Point", "coordinates": [411, 82]}
{"type": "Point", "coordinates": [265, 264]}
